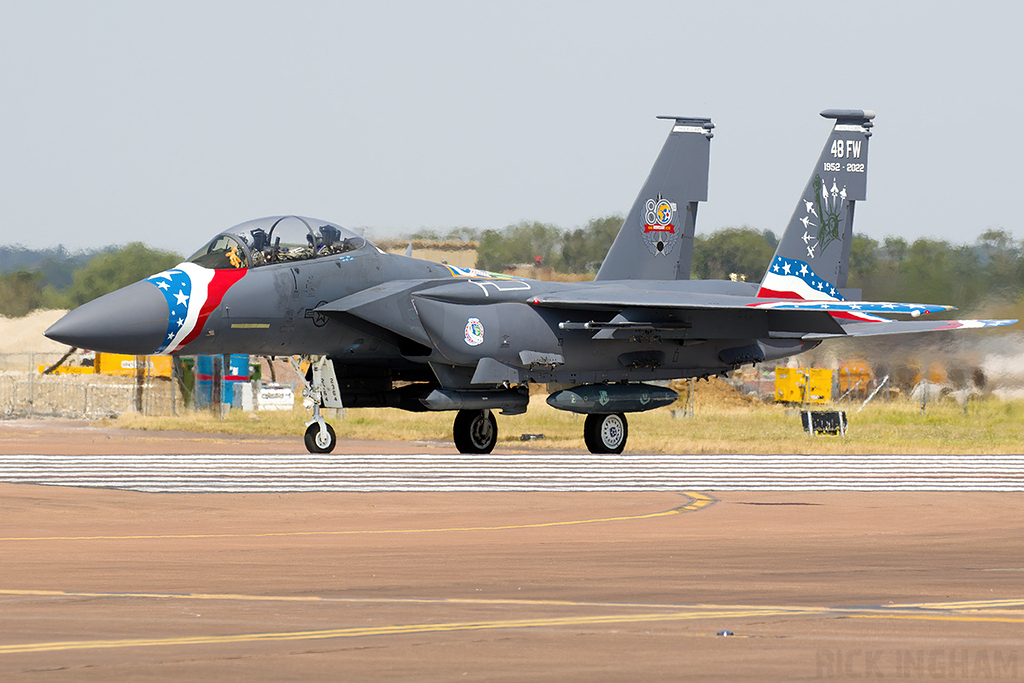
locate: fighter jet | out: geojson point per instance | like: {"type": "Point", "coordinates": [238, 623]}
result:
{"type": "Point", "coordinates": [382, 329]}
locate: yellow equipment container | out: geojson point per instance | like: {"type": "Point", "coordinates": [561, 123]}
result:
{"type": "Point", "coordinates": [118, 364]}
{"type": "Point", "coordinates": [803, 385]}
{"type": "Point", "coordinates": [855, 378]}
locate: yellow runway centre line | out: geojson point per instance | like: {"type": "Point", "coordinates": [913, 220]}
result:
{"type": "Point", "coordinates": [339, 599]}
{"type": "Point", "coordinates": [680, 613]}
{"type": "Point", "coordinates": [922, 608]}
{"type": "Point", "coordinates": [698, 502]}
{"type": "Point", "coordinates": [941, 617]}
{"type": "Point", "coordinates": [361, 632]}
{"type": "Point", "coordinates": [966, 604]}
{"type": "Point", "coordinates": [406, 601]}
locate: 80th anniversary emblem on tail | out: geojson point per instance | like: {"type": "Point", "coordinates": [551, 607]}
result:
{"type": "Point", "coordinates": [659, 227]}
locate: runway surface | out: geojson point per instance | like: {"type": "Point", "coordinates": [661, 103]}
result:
{"type": "Point", "coordinates": [101, 585]}
{"type": "Point", "coordinates": [287, 473]}
{"type": "Point", "coordinates": [258, 564]}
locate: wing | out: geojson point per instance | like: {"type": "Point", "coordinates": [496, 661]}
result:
{"type": "Point", "coordinates": [721, 315]}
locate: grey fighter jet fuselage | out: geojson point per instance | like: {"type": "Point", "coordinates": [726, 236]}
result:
{"type": "Point", "coordinates": [388, 330]}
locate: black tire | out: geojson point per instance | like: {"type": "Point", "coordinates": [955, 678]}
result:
{"type": "Point", "coordinates": [315, 443]}
{"type": "Point", "coordinates": [475, 431]}
{"type": "Point", "coordinates": [605, 433]}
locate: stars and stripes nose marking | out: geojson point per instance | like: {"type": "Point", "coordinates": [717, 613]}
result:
{"type": "Point", "coordinates": [192, 293]}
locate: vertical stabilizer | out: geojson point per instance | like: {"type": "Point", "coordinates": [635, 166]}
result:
{"type": "Point", "coordinates": [656, 239]}
{"type": "Point", "coordinates": [812, 259]}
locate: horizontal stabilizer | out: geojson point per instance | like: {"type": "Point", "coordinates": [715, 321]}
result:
{"type": "Point", "coordinates": [908, 327]}
{"type": "Point", "coordinates": [862, 311]}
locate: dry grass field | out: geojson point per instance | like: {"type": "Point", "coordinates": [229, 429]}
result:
{"type": "Point", "coordinates": [725, 421]}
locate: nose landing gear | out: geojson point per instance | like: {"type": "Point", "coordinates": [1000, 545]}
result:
{"type": "Point", "coordinates": [320, 436]}
{"type": "Point", "coordinates": [322, 389]}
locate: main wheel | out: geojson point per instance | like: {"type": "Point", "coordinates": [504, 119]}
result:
{"type": "Point", "coordinates": [317, 441]}
{"type": "Point", "coordinates": [605, 433]}
{"type": "Point", "coordinates": [475, 431]}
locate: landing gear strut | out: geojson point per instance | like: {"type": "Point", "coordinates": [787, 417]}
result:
{"type": "Point", "coordinates": [475, 431]}
{"type": "Point", "coordinates": [605, 433]}
{"type": "Point", "coordinates": [320, 436]}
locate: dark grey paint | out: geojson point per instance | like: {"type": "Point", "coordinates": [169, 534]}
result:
{"type": "Point", "coordinates": [132, 320]}
{"type": "Point", "coordinates": [465, 339]}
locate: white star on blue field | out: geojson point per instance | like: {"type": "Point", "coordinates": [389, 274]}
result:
{"type": "Point", "coordinates": [796, 268]}
{"type": "Point", "coordinates": [176, 286]}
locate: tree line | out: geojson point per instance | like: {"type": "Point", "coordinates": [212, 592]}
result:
{"type": "Point", "coordinates": [925, 270]}
{"type": "Point", "coordinates": [58, 284]}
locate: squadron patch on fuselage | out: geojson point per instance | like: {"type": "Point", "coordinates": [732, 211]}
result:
{"type": "Point", "coordinates": [474, 332]}
{"type": "Point", "coordinates": [659, 226]}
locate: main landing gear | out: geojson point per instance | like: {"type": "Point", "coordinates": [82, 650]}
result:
{"type": "Point", "coordinates": [605, 433]}
{"type": "Point", "coordinates": [475, 431]}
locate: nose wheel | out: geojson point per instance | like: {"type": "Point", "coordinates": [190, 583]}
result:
{"type": "Point", "coordinates": [320, 437]}
{"type": "Point", "coordinates": [605, 433]}
{"type": "Point", "coordinates": [475, 431]}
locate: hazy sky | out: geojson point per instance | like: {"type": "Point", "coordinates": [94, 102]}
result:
{"type": "Point", "coordinates": [168, 122]}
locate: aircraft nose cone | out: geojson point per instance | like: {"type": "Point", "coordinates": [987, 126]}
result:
{"type": "Point", "coordinates": [132, 320]}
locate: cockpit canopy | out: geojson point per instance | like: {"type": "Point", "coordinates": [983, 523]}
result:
{"type": "Point", "coordinates": [277, 239]}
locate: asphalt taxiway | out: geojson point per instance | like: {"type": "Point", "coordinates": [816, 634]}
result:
{"type": "Point", "coordinates": [106, 584]}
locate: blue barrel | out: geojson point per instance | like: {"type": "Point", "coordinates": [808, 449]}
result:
{"type": "Point", "coordinates": [237, 373]}
{"type": "Point", "coordinates": [203, 392]}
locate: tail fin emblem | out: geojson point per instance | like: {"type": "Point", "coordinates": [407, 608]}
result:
{"type": "Point", "coordinates": [659, 228]}
{"type": "Point", "coordinates": [830, 206]}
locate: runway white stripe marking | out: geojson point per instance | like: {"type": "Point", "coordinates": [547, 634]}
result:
{"type": "Point", "coordinates": [525, 472]}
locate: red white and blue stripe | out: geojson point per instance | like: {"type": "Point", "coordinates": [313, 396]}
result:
{"type": "Point", "coordinates": [192, 293]}
{"type": "Point", "coordinates": [790, 279]}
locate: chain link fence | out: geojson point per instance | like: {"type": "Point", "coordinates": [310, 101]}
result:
{"type": "Point", "coordinates": [26, 362]}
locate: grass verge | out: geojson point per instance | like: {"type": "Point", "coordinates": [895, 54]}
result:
{"type": "Point", "coordinates": [987, 427]}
